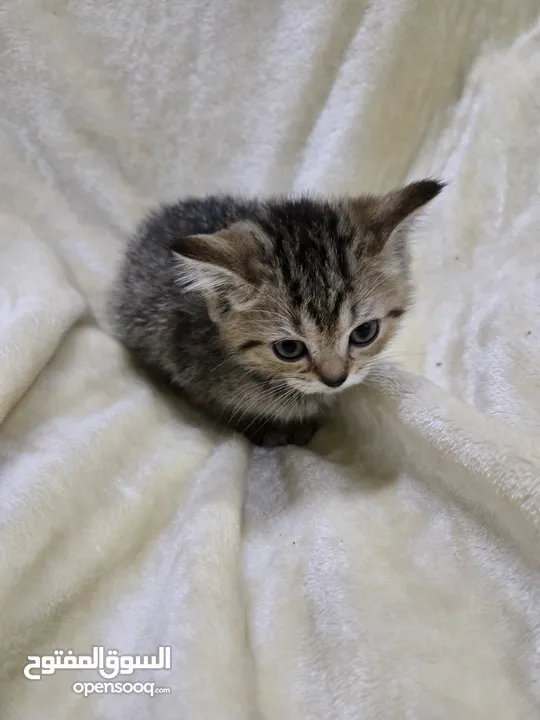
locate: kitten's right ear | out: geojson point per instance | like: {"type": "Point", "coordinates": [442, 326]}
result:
{"type": "Point", "coordinates": [400, 205]}
{"type": "Point", "coordinates": [388, 220]}
{"type": "Point", "coordinates": [229, 258]}
{"type": "Point", "coordinates": [384, 214]}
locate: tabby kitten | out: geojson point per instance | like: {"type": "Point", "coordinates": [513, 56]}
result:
{"type": "Point", "coordinates": [260, 311]}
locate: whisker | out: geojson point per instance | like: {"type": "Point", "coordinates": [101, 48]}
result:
{"type": "Point", "coordinates": [248, 395]}
{"type": "Point", "coordinates": [241, 406]}
{"type": "Point", "coordinates": [268, 410]}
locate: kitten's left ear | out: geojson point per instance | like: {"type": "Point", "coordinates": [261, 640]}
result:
{"type": "Point", "coordinates": [389, 218]}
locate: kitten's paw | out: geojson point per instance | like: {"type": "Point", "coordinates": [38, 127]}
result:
{"type": "Point", "coordinates": [302, 434]}
{"type": "Point", "coordinates": [276, 437]}
{"type": "Point", "coordinates": [270, 437]}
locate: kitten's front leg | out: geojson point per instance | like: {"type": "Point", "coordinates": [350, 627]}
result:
{"type": "Point", "coordinates": [269, 435]}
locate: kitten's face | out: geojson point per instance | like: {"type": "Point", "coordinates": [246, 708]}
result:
{"type": "Point", "coordinates": [309, 292]}
{"type": "Point", "coordinates": [325, 342]}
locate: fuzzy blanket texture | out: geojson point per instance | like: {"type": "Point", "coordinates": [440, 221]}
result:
{"type": "Point", "coordinates": [392, 568]}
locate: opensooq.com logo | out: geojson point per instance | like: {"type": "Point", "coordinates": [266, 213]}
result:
{"type": "Point", "coordinates": [108, 664]}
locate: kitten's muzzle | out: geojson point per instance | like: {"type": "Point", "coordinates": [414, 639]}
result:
{"type": "Point", "coordinates": [333, 381]}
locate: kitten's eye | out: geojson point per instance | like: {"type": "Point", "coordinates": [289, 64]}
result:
{"type": "Point", "coordinates": [365, 333]}
{"type": "Point", "coordinates": [289, 349]}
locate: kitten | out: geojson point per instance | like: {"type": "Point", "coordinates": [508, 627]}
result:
{"type": "Point", "coordinates": [260, 311]}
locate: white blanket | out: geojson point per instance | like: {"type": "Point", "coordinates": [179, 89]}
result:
{"type": "Point", "coordinates": [389, 571]}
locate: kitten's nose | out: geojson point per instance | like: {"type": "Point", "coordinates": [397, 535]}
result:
{"type": "Point", "coordinates": [334, 381]}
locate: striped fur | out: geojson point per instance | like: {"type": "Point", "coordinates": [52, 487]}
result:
{"type": "Point", "coordinates": [209, 284]}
